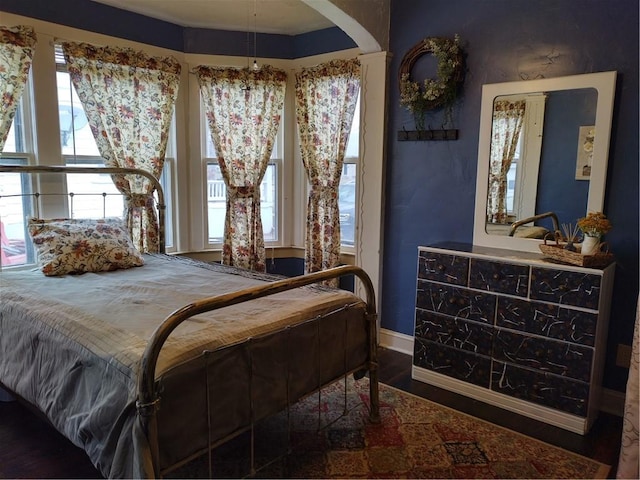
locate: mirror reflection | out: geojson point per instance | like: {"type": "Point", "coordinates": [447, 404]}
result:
{"type": "Point", "coordinates": [540, 160]}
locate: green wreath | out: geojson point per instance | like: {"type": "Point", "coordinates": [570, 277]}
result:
{"type": "Point", "coordinates": [432, 93]}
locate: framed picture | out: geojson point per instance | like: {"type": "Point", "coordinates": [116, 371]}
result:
{"type": "Point", "coordinates": [584, 157]}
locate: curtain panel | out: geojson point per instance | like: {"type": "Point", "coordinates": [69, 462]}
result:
{"type": "Point", "coordinates": [326, 97]}
{"type": "Point", "coordinates": [508, 118]}
{"type": "Point", "coordinates": [244, 110]}
{"type": "Point", "coordinates": [128, 98]}
{"type": "Point", "coordinates": [629, 460]}
{"type": "Point", "coordinates": [17, 45]}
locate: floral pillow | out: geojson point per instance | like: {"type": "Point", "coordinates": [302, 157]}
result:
{"type": "Point", "coordinates": [82, 245]}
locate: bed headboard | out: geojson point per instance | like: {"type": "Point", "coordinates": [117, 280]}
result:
{"type": "Point", "coordinates": [41, 169]}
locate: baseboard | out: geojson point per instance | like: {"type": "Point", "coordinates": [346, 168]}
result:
{"type": "Point", "coordinates": [396, 341]}
{"type": "Point", "coordinates": [612, 400]}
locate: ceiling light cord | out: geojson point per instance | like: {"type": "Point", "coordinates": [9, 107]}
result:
{"type": "Point", "coordinates": [255, 35]}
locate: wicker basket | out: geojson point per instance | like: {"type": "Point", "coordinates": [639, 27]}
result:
{"type": "Point", "coordinates": [557, 252]}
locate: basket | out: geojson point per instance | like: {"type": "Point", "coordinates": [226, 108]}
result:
{"type": "Point", "coordinates": [557, 252]}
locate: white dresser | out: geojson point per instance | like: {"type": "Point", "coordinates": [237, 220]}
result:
{"type": "Point", "coordinates": [514, 330]}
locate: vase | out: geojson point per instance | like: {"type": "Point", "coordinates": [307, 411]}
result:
{"type": "Point", "coordinates": [590, 244]}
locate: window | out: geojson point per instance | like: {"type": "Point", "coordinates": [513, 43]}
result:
{"type": "Point", "coordinates": [16, 141]}
{"type": "Point", "coordinates": [216, 192]}
{"type": "Point", "coordinates": [512, 175]}
{"type": "Point", "coordinates": [521, 194]}
{"type": "Point", "coordinates": [348, 181]}
{"type": "Point", "coordinates": [15, 204]}
{"type": "Point", "coordinates": [99, 196]}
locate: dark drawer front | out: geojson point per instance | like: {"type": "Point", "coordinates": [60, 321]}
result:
{"type": "Point", "coordinates": [444, 268]}
{"type": "Point", "coordinates": [559, 358]}
{"type": "Point", "coordinates": [456, 302]}
{"type": "Point", "coordinates": [547, 320]}
{"type": "Point", "coordinates": [454, 363]}
{"type": "Point", "coordinates": [499, 277]}
{"type": "Point", "coordinates": [454, 332]}
{"type": "Point", "coordinates": [542, 388]}
{"type": "Point", "coordinates": [566, 288]}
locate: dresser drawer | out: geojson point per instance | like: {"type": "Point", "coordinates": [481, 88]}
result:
{"type": "Point", "coordinates": [441, 267]}
{"type": "Point", "coordinates": [454, 363]}
{"type": "Point", "coordinates": [454, 332]}
{"type": "Point", "coordinates": [499, 277]}
{"type": "Point", "coordinates": [547, 320]}
{"type": "Point", "coordinates": [541, 388]}
{"type": "Point", "coordinates": [565, 287]}
{"type": "Point", "coordinates": [456, 302]}
{"type": "Point", "coordinates": [559, 358]}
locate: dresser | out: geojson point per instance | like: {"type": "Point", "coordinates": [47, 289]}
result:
{"type": "Point", "coordinates": [514, 330]}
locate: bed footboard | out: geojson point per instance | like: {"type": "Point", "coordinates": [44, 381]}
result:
{"type": "Point", "coordinates": [148, 396]}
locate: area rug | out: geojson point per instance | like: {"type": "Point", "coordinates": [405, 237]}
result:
{"type": "Point", "coordinates": [330, 436]}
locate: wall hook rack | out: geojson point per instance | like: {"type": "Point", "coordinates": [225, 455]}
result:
{"type": "Point", "coordinates": [427, 135]}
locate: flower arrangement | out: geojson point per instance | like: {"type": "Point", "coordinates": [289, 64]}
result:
{"type": "Point", "coordinates": [419, 98]}
{"type": "Point", "coordinates": [595, 224]}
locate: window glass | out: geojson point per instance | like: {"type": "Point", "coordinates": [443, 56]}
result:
{"type": "Point", "coordinates": [512, 183]}
{"type": "Point", "coordinates": [75, 133]}
{"type": "Point", "coordinates": [348, 179]}
{"type": "Point", "coordinates": [93, 195]}
{"type": "Point", "coordinates": [15, 206]}
{"type": "Point", "coordinates": [15, 202]}
{"type": "Point", "coordinates": [15, 141]}
{"type": "Point", "coordinates": [216, 190]}
{"type": "Point", "coordinates": [216, 203]}
{"type": "Point", "coordinates": [347, 204]}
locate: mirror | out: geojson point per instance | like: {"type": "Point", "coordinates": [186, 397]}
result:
{"type": "Point", "coordinates": [555, 175]}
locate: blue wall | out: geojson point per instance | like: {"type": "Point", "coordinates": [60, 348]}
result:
{"type": "Point", "coordinates": [431, 185]}
{"type": "Point", "coordinates": [558, 189]}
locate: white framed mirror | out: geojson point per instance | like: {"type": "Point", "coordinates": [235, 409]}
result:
{"type": "Point", "coordinates": [557, 155]}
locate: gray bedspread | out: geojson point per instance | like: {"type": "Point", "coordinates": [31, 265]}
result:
{"type": "Point", "coordinates": [71, 345]}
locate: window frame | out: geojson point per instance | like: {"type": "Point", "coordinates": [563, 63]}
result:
{"type": "Point", "coordinates": [276, 161]}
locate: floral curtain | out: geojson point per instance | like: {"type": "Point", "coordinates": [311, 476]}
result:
{"type": "Point", "coordinates": [507, 123]}
{"type": "Point", "coordinates": [244, 109]}
{"type": "Point", "coordinates": [128, 98]}
{"type": "Point", "coordinates": [16, 52]}
{"type": "Point", "coordinates": [326, 97]}
{"type": "Point", "coordinates": [629, 461]}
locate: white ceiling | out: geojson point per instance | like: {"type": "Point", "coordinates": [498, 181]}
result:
{"type": "Point", "coordinates": [287, 17]}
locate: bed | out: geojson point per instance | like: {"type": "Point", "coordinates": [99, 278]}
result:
{"type": "Point", "coordinates": [147, 368]}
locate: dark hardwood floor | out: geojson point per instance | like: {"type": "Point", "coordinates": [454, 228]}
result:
{"type": "Point", "coordinates": [31, 448]}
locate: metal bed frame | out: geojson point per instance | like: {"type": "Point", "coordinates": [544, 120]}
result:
{"type": "Point", "coordinates": [148, 395]}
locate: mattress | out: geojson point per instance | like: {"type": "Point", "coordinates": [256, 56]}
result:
{"type": "Point", "coordinates": [71, 346]}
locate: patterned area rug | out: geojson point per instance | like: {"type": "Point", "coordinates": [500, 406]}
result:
{"type": "Point", "coordinates": [331, 437]}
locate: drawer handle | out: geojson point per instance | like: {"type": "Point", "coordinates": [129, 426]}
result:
{"type": "Point", "coordinates": [440, 268]}
{"type": "Point", "coordinates": [496, 276]}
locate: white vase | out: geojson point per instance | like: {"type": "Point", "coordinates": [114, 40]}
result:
{"type": "Point", "coordinates": [590, 245]}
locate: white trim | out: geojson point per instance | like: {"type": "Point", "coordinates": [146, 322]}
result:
{"type": "Point", "coordinates": [612, 402]}
{"type": "Point", "coordinates": [396, 341]}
